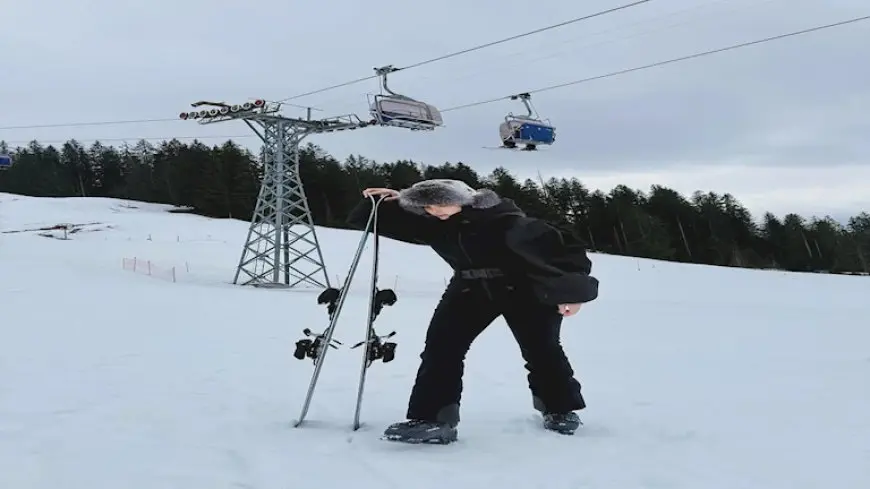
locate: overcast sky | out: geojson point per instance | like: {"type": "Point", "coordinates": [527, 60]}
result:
{"type": "Point", "coordinates": [782, 126]}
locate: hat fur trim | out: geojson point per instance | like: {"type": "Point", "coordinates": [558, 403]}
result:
{"type": "Point", "coordinates": [445, 192]}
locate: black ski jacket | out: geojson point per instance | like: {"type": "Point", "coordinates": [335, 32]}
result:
{"type": "Point", "coordinates": [495, 236]}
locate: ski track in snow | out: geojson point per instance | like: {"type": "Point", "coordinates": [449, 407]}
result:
{"type": "Point", "coordinates": [696, 377]}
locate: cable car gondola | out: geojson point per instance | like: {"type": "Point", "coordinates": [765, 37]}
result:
{"type": "Point", "coordinates": [400, 111]}
{"type": "Point", "coordinates": [525, 130]}
{"type": "Point", "coordinates": [5, 162]}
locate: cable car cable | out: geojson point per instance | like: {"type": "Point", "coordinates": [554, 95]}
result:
{"type": "Point", "coordinates": [554, 54]}
{"type": "Point", "coordinates": [669, 61]}
{"type": "Point", "coordinates": [136, 139]}
{"type": "Point", "coordinates": [82, 124]}
{"type": "Point", "coordinates": [518, 36]}
{"type": "Point", "coordinates": [362, 79]}
{"type": "Point", "coordinates": [561, 85]}
{"type": "Point", "coordinates": [474, 48]}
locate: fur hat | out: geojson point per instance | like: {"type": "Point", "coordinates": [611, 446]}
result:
{"type": "Point", "coordinates": [445, 192]}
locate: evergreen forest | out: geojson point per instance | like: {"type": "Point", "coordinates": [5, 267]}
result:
{"type": "Point", "coordinates": [223, 182]}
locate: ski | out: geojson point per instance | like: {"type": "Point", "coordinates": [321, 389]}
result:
{"type": "Point", "coordinates": [316, 346]}
{"type": "Point", "coordinates": [375, 347]}
{"type": "Point", "coordinates": [511, 148]}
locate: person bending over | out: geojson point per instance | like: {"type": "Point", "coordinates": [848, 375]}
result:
{"type": "Point", "coordinates": [506, 264]}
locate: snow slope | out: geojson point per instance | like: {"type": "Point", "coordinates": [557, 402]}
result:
{"type": "Point", "coordinates": [696, 377]}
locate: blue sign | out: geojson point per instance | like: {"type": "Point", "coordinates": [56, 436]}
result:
{"type": "Point", "coordinates": [5, 161]}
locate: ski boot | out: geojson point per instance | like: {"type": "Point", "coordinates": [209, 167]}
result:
{"type": "Point", "coordinates": [564, 423]}
{"type": "Point", "coordinates": [420, 431]}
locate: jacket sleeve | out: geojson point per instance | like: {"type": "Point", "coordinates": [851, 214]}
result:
{"type": "Point", "coordinates": [393, 222]}
{"type": "Point", "coordinates": [555, 261]}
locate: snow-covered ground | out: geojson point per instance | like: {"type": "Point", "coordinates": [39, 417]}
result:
{"type": "Point", "coordinates": [696, 377]}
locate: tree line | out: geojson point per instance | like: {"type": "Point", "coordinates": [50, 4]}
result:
{"type": "Point", "coordinates": [223, 181]}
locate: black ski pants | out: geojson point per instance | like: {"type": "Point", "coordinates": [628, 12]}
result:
{"type": "Point", "coordinates": [466, 309]}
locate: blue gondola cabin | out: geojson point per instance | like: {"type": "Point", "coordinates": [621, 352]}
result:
{"type": "Point", "coordinates": [5, 162]}
{"type": "Point", "coordinates": [518, 130]}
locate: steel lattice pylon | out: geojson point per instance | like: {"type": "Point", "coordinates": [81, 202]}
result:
{"type": "Point", "coordinates": [281, 249]}
{"type": "Point", "coordinates": [282, 224]}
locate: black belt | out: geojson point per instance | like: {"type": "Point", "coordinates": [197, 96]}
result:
{"type": "Point", "coordinates": [480, 273]}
